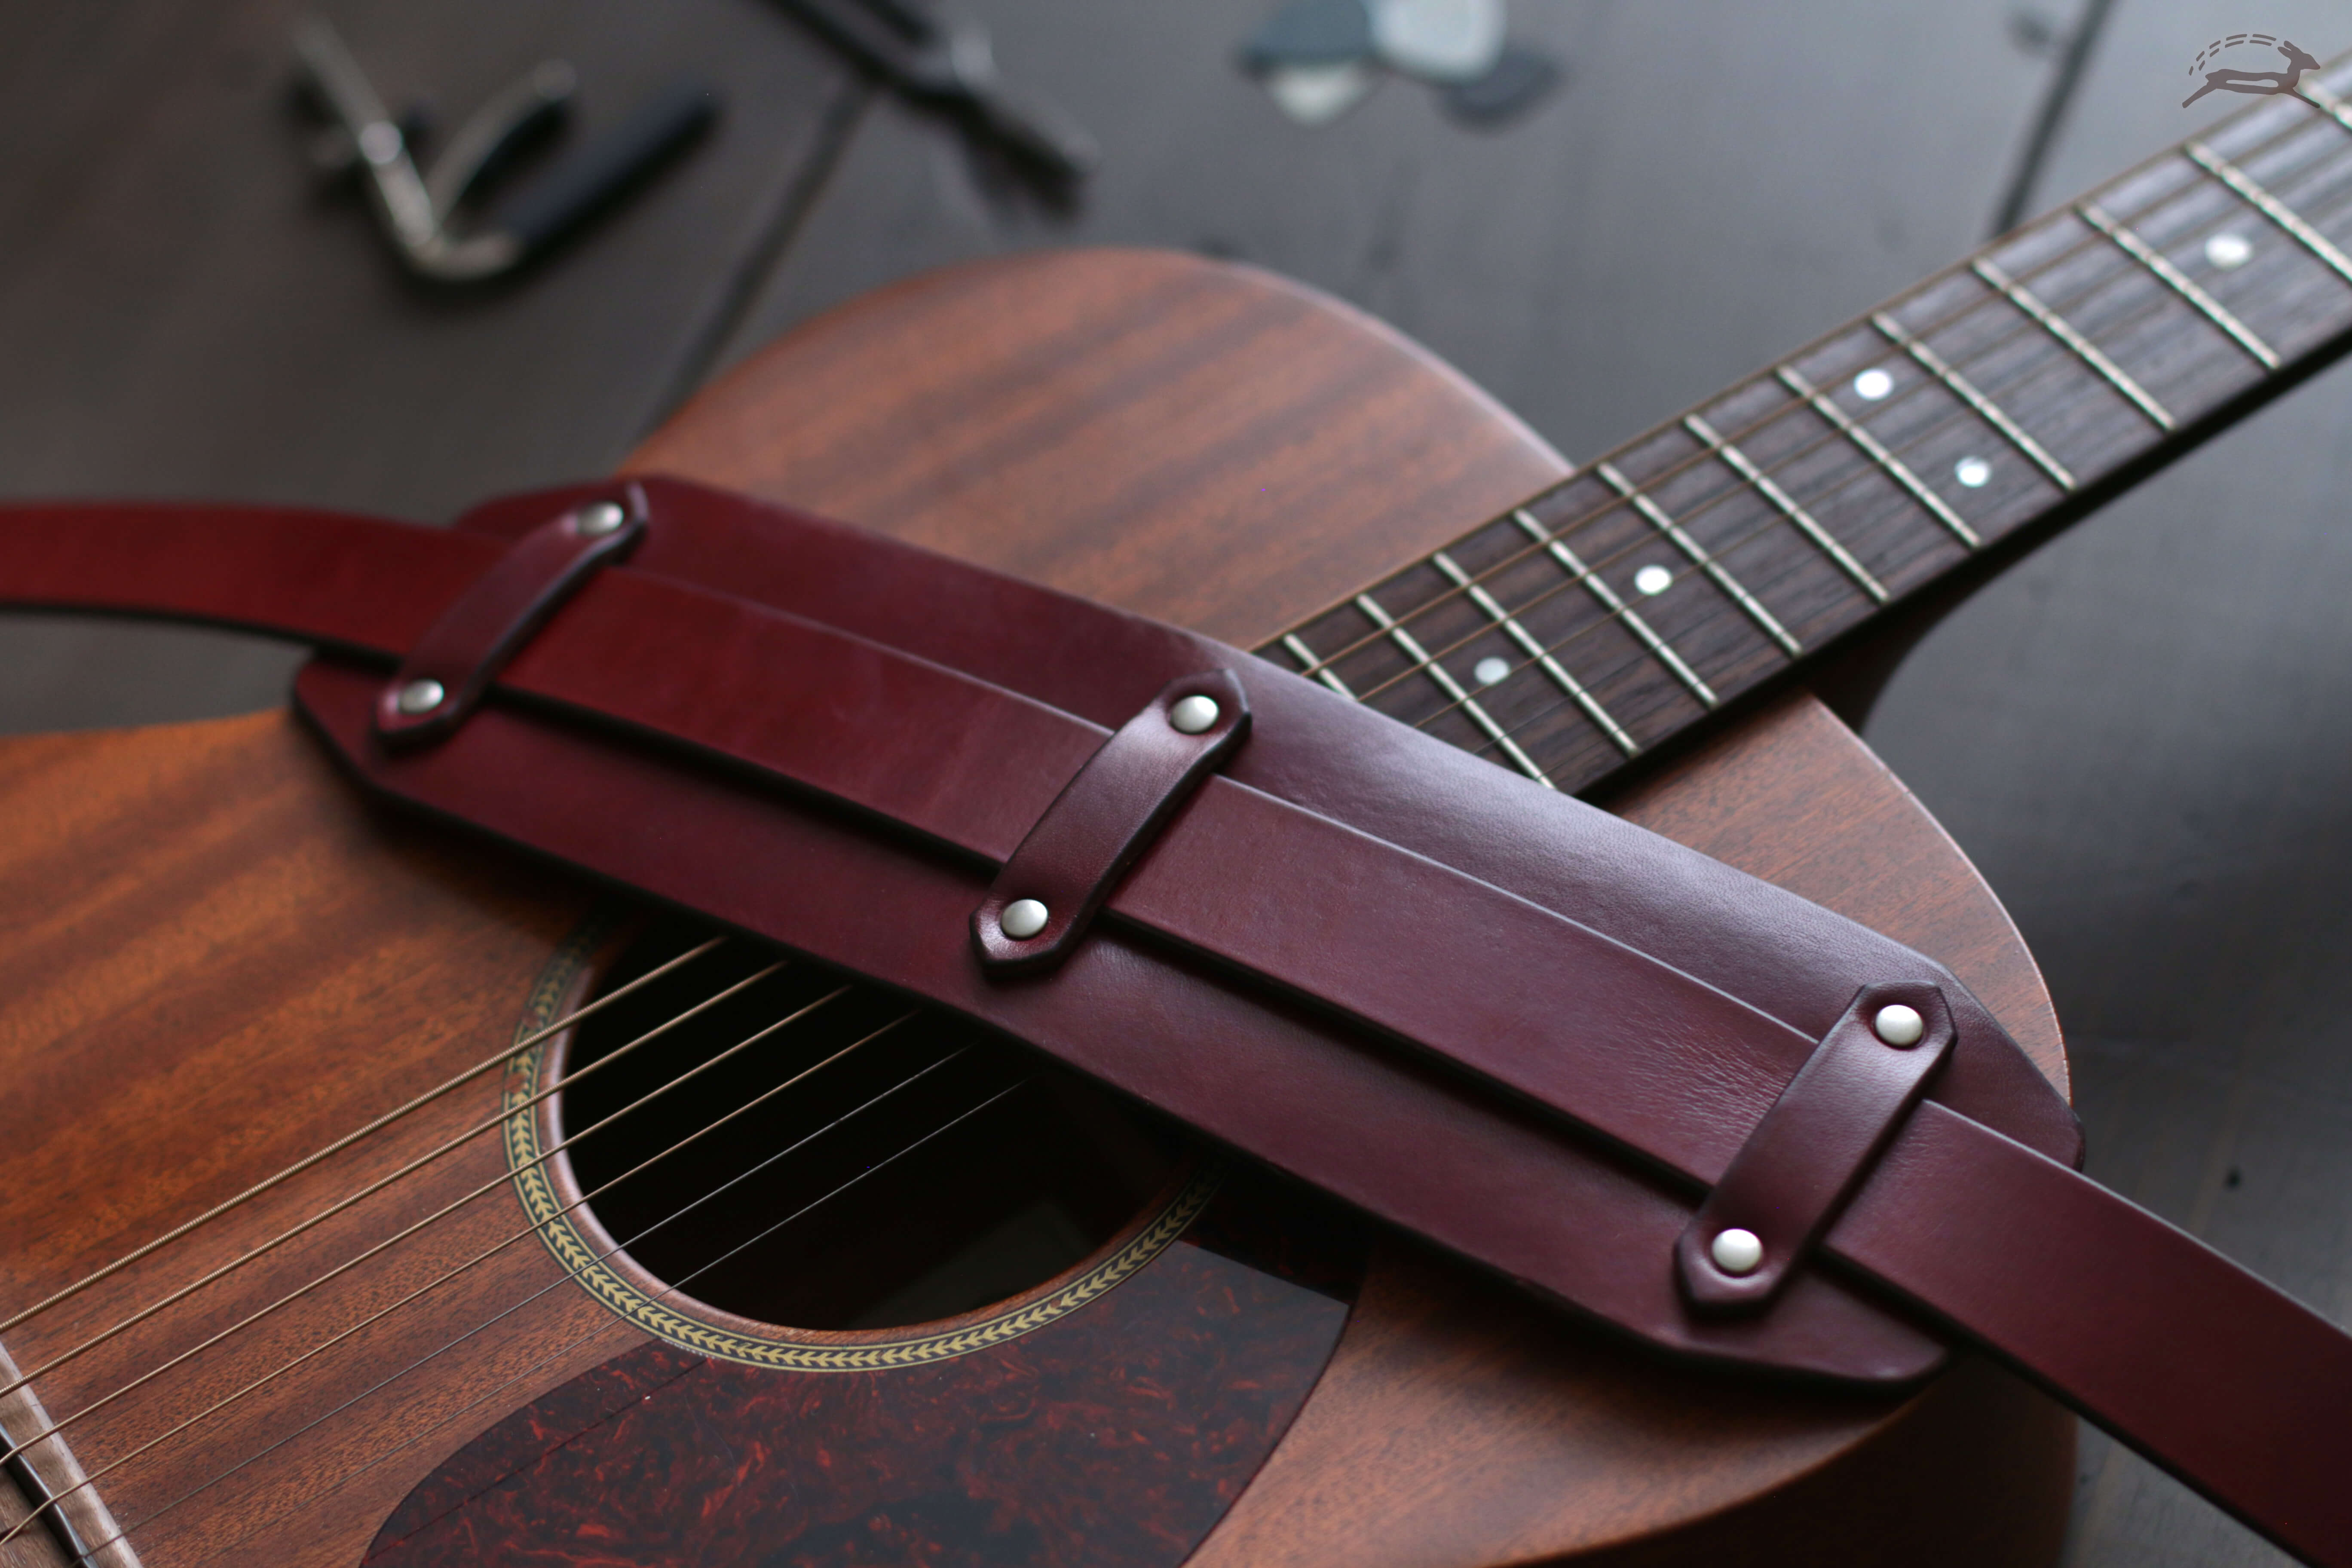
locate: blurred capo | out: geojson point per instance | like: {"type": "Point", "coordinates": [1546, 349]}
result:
{"type": "Point", "coordinates": [416, 208]}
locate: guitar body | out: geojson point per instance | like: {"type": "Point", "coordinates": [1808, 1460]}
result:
{"type": "Point", "coordinates": [221, 959]}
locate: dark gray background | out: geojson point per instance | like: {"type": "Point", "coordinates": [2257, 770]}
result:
{"type": "Point", "coordinates": [2142, 734]}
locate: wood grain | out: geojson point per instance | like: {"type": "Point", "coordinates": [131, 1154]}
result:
{"type": "Point", "coordinates": [1541, 1441]}
{"type": "Point", "coordinates": [1276, 449]}
{"type": "Point", "coordinates": [218, 955]}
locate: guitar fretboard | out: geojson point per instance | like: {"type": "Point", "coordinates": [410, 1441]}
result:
{"type": "Point", "coordinates": [1602, 617]}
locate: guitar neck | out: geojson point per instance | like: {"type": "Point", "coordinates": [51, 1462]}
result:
{"type": "Point", "coordinates": [2019, 388]}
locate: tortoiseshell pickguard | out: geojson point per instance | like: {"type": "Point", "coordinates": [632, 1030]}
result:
{"type": "Point", "coordinates": [1115, 1435]}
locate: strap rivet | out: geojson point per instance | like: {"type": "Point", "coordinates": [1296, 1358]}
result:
{"type": "Point", "coordinates": [1022, 919]}
{"type": "Point", "coordinates": [1193, 715]}
{"type": "Point", "coordinates": [419, 696]}
{"type": "Point", "coordinates": [1736, 1251]}
{"type": "Point", "coordinates": [1899, 1025]}
{"type": "Point", "coordinates": [598, 519]}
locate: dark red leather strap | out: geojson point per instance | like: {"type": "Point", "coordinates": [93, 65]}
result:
{"type": "Point", "coordinates": [1472, 926]}
{"type": "Point", "coordinates": [1499, 1185]}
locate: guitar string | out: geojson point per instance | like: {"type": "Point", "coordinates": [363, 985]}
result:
{"type": "Point", "coordinates": [378, 1186]}
{"type": "Point", "coordinates": [574, 1343]}
{"type": "Point", "coordinates": [1769, 523]}
{"type": "Point", "coordinates": [116, 1463]}
{"type": "Point", "coordinates": [622, 1245]}
{"type": "Point", "coordinates": [1833, 437]}
{"type": "Point", "coordinates": [2203, 186]}
{"type": "Point", "coordinates": [387, 1119]}
{"type": "Point", "coordinates": [60, 1424]}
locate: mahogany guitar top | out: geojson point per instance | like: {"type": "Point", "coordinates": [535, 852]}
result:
{"type": "Point", "coordinates": [1213, 444]}
{"type": "Point", "coordinates": [217, 953]}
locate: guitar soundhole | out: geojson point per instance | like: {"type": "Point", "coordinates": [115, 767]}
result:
{"type": "Point", "coordinates": [856, 1168]}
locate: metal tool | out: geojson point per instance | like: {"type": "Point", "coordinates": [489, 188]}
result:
{"type": "Point", "coordinates": [949, 61]}
{"type": "Point", "coordinates": [416, 208]}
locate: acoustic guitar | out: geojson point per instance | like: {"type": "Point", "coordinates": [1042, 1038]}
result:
{"type": "Point", "coordinates": [374, 1195]}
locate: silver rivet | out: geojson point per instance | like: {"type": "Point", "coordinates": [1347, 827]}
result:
{"type": "Point", "coordinates": [419, 696]}
{"type": "Point", "coordinates": [1737, 1251]}
{"type": "Point", "coordinates": [1654, 579]}
{"type": "Point", "coordinates": [1898, 1025]}
{"type": "Point", "coordinates": [598, 519]}
{"type": "Point", "coordinates": [1491, 670]}
{"type": "Point", "coordinates": [1873, 385]}
{"type": "Point", "coordinates": [1024, 918]}
{"type": "Point", "coordinates": [1190, 717]}
{"type": "Point", "coordinates": [1972, 472]}
{"type": "Point", "coordinates": [2228, 250]}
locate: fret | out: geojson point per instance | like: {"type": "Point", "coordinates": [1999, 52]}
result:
{"type": "Point", "coordinates": [1308, 661]}
{"type": "Point", "coordinates": [1537, 652]}
{"type": "Point", "coordinates": [1762, 482]}
{"type": "Point", "coordinates": [1983, 406]}
{"type": "Point", "coordinates": [2154, 261]}
{"type": "Point", "coordinates": [1469, 705]}
{"type": "Point", "coordinates": [1721, 578]}
{"type": "Point", "coordinates": [1852, 430]}
{"type": "Point", "coordinates": [2316, 92]}
{"type": "Point", "coordinates": [2270, 206]}
{"type": "Point", "coordinates": [1610, 601]}
{"type": "Point", "coordinates": [2025, 300]}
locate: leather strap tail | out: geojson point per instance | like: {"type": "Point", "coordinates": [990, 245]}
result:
{"type": "Point", "coordinates": [2234, 1387]}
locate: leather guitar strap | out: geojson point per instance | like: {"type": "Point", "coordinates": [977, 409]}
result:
{"type": "Point", "coordinates": [1494, 1015]}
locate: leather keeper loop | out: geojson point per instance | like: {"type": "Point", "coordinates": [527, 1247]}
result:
{"type": "Point", "coordinates": [1107, 815]}
{"type": "Point", "coordinates": [1813, 1149]}
{"type": "Point", "coordinates": [451, 668]}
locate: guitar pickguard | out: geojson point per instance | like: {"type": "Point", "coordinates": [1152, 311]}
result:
{"type": "Point", "coordinates": [1110, 1436]}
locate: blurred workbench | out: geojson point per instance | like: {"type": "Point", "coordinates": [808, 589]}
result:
{"type": "Point", "coordinates": [2142, 735]}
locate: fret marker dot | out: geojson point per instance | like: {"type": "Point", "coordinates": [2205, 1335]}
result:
{"type": "Point", "coordinates": [1653, 580]}
{"type": "Point", "coordinates": [1022, 919]}
{"type": "Point", "coordinates": [1491, 670]}
{"type": "Point", "coordinates": [2228, 250]}
{"type": "Point", "coordinates": [1873, 385]}
{"type": "Point", "coordinates": [1972, 472]}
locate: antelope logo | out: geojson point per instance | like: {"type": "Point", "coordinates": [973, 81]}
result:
{"type": "Point", "coordinates": [2249, 81]}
